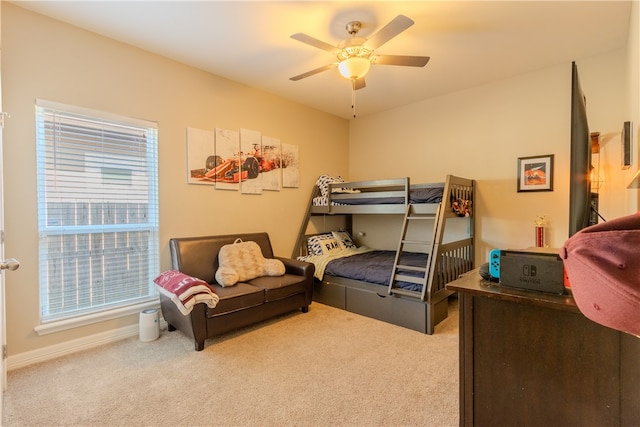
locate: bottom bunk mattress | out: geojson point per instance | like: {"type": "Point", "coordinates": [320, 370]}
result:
{"type": "Point", "coordinates": [376, 266]}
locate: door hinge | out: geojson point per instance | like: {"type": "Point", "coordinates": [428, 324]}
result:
{"type": "Point", "coordinates": [4, 352]}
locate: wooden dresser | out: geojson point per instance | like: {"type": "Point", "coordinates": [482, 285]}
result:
{"type": "Point", "coordinates": [532, 359]}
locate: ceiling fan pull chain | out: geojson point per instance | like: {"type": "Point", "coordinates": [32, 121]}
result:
{"type": "Point", "coordinates": [353, 97]}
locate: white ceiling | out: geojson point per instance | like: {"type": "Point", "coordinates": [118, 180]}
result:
{"type": "Point", "coordinates": [470, 42]}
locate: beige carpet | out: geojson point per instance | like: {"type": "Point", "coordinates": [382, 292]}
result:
{"type": "Point", "coordinates": [326, 367]}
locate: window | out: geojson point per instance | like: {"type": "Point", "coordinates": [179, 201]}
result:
{"type": "Point", "coordinates": [97, 210]}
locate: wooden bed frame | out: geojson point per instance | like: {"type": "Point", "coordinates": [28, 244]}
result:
{"type": "Point", "coordinates": [420, 311]}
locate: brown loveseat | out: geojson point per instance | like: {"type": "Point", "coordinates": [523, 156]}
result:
{"type": "Point", "coordinates": [244, 303]}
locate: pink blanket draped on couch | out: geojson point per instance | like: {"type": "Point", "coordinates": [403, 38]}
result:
{"type": "Point", "coordinates": [186, 291]}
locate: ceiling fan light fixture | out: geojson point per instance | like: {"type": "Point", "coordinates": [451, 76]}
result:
{"type": "Point", "coordinates": [354, 68]}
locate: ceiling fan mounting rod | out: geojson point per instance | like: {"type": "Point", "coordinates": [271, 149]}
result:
{"type": "Point", "coordinates": [353, 46]}
{"type": "Point", "coordinates": [353, 27]}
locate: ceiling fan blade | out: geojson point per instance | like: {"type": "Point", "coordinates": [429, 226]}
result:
{"type": "Point", "coordinates": [360, 83]}
{"type": "Point", "coordinates": [315, 42]}
{"type": "Point", "coordinates": [409, 61]}
{"type": "Point", "coordinates": [389, 31]}
{"type": "Point", "coordinates": [314, 71]}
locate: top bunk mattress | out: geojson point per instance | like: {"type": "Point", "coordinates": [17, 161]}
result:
{"type": "Point", "coordinates": [337, 192]}
{"type": "Point", "coordinates": [419, 196]}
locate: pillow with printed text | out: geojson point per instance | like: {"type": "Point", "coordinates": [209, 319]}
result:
{"type": "Point", "coordinates": [344, 239]}
{"type": "Point", "coordinates": [322, 244]}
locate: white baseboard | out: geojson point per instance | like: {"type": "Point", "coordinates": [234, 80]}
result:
{"type": "Point", "coordinates": [27, 358]}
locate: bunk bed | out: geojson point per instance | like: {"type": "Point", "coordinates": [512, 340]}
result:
{"type": "Point", "coordinates": [406, 286]}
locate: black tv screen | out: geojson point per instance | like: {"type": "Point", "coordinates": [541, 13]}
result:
{"type": "Point", "coordinates": [580, 171]}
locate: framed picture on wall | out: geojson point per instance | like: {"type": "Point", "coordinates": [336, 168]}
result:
{"type": "Point", "coordinates": [535, 173]}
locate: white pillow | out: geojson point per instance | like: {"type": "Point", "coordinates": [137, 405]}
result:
{"type": "Point", "coordinates": [313, 244]}
{"type": "Point", "coordinates": [329, 245]}
{"type": "Point", "coordinates": [344, 239]}
{"type": "Point", "coordinates": [322, 244]}
{"type": "Point", "coordinates": [241, 261]}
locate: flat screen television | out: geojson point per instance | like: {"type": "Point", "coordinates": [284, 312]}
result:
{"type": "Point", "coordinates": [581, 211]}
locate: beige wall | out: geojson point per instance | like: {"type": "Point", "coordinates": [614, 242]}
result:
{"type": "Point", "coordinates": [43, 58]}
{"type": "Point", "coordinates": [481, 132]}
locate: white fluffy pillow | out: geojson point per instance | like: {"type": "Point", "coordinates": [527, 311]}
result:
{"type": "Point", "coordinates": [273, 267]}
{"type": "Point", "coordinates": [243, 261]}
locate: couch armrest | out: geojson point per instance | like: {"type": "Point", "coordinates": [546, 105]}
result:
{"type": "Point", "coordinates": [299, 268]}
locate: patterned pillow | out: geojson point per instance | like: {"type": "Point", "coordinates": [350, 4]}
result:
{"type": "Point", "coordinates": [344, 239]}
{"type": "Point", "coordinates": [324, 181]}
{"type": "Point", "coordinates": [321, 244]}
{"type": "Point", "coordinates": [329, 245]}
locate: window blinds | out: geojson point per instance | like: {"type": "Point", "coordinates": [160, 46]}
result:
{"type": "Point", "coordinates": [97, 210]}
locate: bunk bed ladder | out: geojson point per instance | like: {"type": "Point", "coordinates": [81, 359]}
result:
{"type": "Point", "coordinates": [402, 272]}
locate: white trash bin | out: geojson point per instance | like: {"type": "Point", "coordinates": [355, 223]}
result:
{"type": "Point", "coordinates": [149, 325]}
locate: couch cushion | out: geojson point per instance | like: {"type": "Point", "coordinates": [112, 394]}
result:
{"type": "Point", "coordinates": [238, 297]}
{"type": "Point", "coordinates": [279, 287]}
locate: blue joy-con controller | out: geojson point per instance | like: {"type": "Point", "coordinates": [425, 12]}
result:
{"type": "Point", "coordinates": [494, 263]}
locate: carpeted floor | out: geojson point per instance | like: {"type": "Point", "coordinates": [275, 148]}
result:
{"type": "Point", "coordinates": [326, 367]}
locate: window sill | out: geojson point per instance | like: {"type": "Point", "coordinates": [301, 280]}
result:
{"type": "Point", "coordinates": [89, 319]}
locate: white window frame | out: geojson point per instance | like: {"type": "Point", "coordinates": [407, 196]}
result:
{"type": "Point", "coordinates": [102, 253]}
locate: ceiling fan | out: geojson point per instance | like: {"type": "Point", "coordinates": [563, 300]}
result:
{"type": "Point", "coordinates": [355, 55]}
